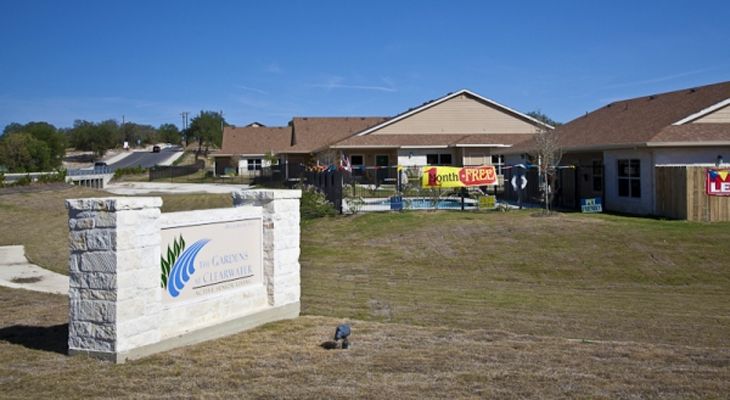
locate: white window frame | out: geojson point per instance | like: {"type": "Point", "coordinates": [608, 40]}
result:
{"type": "Point", "coordinates": [630, 178]}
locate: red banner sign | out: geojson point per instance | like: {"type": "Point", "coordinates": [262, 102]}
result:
{"type": "Point", "coordinates": [448, 177]}
{"type": "Point", "coordinates": [718, 182]}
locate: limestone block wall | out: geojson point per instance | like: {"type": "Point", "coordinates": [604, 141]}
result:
{"type": "Point", "coordinates": [114, 295]}
{"type": "Point", "coordinates": [116, 309]}
{"type": "Point", "coordinates": [281, 240]}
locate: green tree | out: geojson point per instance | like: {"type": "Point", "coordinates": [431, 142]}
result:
{"type": "Point", "coordinates": [21, 152]}
{"type": "Point", "coordinates": [169, 133]}
{"type": "Point", "coordinates": [136, 133]}
{"type": "Point", "coordinates": [540, 116]}
{"type": "Point", "coordinates": [94, 137]}
{"type": "Point", "coordinates": [47, 133]}
{"type": "Point", "coordinates": [207, 129]}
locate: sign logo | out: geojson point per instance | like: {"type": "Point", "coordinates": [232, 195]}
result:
{"type": "Point", "coordinates": [177, 269]}
{"type": "Point", "coordinates": [718, 182]}
{"type": "Point", "coordinates": [450, 177]}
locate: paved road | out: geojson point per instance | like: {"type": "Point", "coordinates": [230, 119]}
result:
{"type": "Point", "coordinates": [144, 159]}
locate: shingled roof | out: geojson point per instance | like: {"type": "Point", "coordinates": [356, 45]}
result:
{"type": "Point", "coordinates": [304, 135]}
{"type": "Point", "coordinates": [311, 134]}
{"type": "Point", "coordinates": [647, 120]}
{"type": "Point", "coordinates": [254, 140]}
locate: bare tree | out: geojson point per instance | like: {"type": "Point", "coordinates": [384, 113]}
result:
{"type": "Point", "coordinates": [548, 154]}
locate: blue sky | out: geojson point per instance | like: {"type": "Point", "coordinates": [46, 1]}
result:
{"type": "Point", "coordinates": [270, 60]}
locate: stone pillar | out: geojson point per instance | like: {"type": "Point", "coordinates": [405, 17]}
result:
{"type": "Point", "coordinates": [114, 289]}
{"type": "Point", "coordinates": [281, 240]}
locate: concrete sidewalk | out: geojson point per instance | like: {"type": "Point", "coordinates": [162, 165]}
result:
{"type": "Point", "coordinates": [17, 273]}
{"type": "Point", "coordinates": [142, 188]}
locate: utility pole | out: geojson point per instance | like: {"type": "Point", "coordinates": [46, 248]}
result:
{"type": "Point", "coordinates": [184, 116]}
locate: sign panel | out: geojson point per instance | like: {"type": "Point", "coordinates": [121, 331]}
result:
{"type": "Point", "coordinates": [207, 259]}
{"type": "Point", "coordinates": [451, 177]}
{"type": "Point", "coordinates": [718, 182]}
{"type": "Point", "coordinates": [487, 202]}
{"type": "Point", "coordinates": [591, 205]}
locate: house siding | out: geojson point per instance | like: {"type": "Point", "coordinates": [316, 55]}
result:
{"type": "Point", "coordinates": [689, 156]}
{"type": "Point", "coordinates": [721, 116]}
{"type": "Point", "coordinates": [643, 205]}
{"type": "Point", "coordinates": [460, 115]}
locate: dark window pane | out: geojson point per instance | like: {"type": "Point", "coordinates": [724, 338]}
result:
{"type": "Point", "coordinates": [623, 168]}
{"type": "Point", "coordinates": [356, 160]}
{"type": "Point", "coordinates": [597, 183]}
{"type": "Point", "coordinates": [635, 168]}
{"type": "Point", "coordinates": [445, 159]}
{"type": "Point", "coordinates": [623, 187]}
{"type": "Point", "coordinates": [635, 188]}
{"type": "Point", "coordinates": [432, 159]}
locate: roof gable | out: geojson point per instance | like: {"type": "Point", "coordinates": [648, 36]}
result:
{"type": "Point", "coordinates": [462, 112]}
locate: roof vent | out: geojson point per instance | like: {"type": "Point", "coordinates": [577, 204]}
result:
{"type": "Point", "coordinates": [652, 97]}
{"type": "Point", "coordinates": [609, 105]}
{"type": "Point", "coordinates": [692, 90]}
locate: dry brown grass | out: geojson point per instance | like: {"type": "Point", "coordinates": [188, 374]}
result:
{"type": "Point", "coordinates": [388, 360]}
{"type": "Point", "coordinates": [443, 305]}
{"type": "Point", "coordinates": [38, 219]}
{"type": "Point", "coordinates": [572, 276]}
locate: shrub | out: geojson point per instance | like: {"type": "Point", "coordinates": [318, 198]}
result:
{"type": "Point", "coordinates": [129, 171]}
{"type": "Point", "coordinates": [314, 205]}
{"type": "Point", "coordinates": [23, 181]}
{"type": "Point", "coordinates": [59, 176]}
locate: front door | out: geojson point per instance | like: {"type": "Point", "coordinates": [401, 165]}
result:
{"type": "Point", "coordinates": [381, 160]}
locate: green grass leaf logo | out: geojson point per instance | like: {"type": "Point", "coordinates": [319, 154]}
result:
{"type": "Point", "coordinates": [173, 252]}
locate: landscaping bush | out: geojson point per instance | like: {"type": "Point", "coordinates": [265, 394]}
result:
{"type": "Point", "coordinates": [314, 205]}
{"type": "Point", "coordinates": [59, 176]}
{"type": "Point", "coordinates": [23, 181]}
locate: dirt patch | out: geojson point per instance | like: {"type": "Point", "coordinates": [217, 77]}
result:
{"type": "Point", "coordinates": [32, 279]}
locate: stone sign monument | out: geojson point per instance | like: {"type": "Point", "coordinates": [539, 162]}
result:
{"type": "Point", "coordinates": [142, 281]}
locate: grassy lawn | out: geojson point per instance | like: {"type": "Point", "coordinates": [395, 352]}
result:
{"type": "Point", "coordinates": [39, 219]}
{"type": "Point", "coordinates": [575, 276]}
{"type": "Point", "coordinates": [443, 304]}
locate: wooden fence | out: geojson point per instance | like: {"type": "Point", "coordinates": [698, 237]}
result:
{"type": "Point", "coordinates": [681, 194]}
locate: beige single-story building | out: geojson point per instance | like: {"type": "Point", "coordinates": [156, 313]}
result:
{"type": "Point", "coordinates": [461, 128]}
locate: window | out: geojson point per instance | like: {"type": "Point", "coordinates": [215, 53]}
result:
{"type": "Point", "coordinates": [597, 175]}
{"type": "Point", "coordinates": [629, 178]}
{"type": "Point", "coordinates": [356, 160]}
{"type": "Point", "coordinates": [357, 163]}
{"type": "Point", "coordinates": [254, 164]}
{"type": "Point", "coordinates": [498, 162]}
{"type": "Point", "coordinates": [438, 159]}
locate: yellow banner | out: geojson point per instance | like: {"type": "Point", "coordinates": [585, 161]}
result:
{"type": "Point", "coordinates": [451, 177]}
